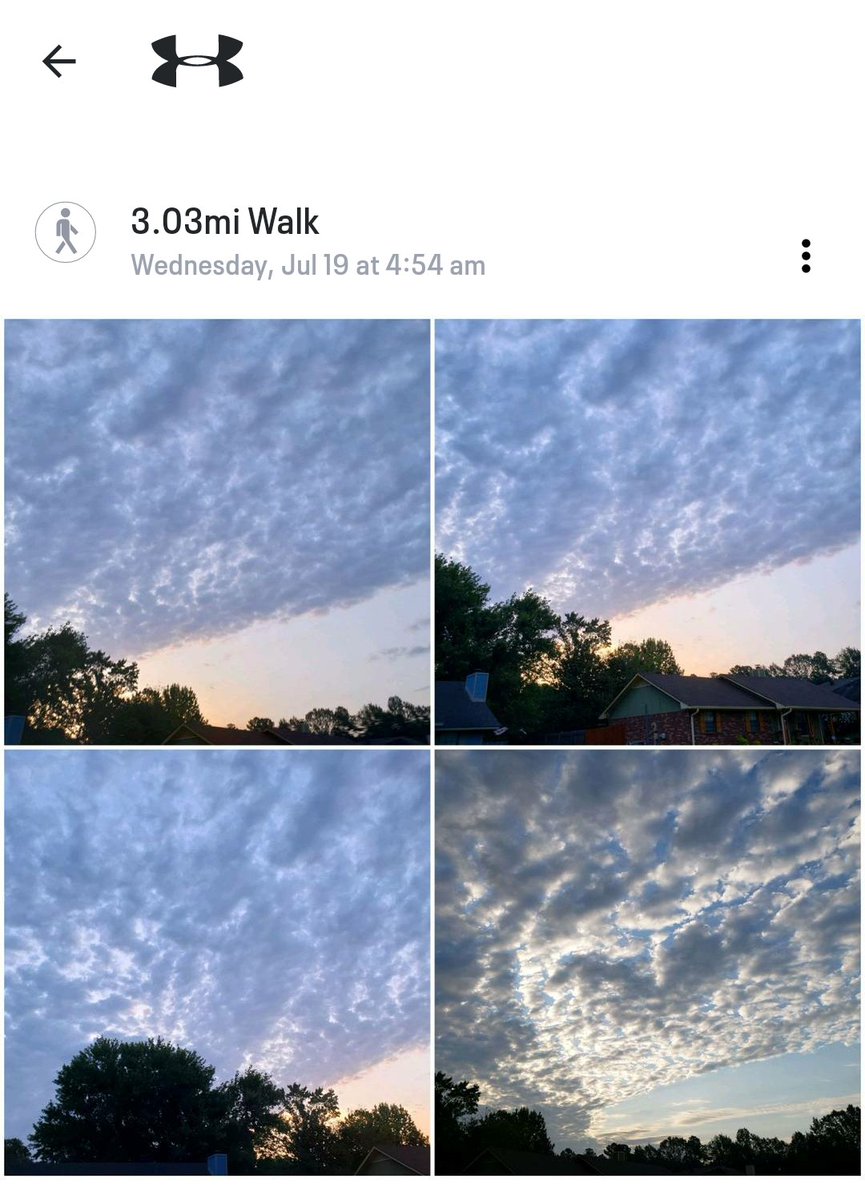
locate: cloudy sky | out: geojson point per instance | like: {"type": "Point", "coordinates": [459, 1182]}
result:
{"type": "Point", "coordinates": [650, 943]}
{"type": "Point", "coordinates": [225, 500]}
{"type": "Point", "coordinates": [261, 908]}
{"type": "Point", "coordinates": [695, 480]}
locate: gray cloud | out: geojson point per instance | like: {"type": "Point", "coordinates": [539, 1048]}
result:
{"type": "Point", "coordinates": [175, 479]}
{"type": "Point", "coordinates": [393, 652]}
{"type": "Point", "coordinates": [261, 908]}
{"type": "Point", "coordinates": [615, 464]}
{"type": "Point", "coordinates": [595, 938]}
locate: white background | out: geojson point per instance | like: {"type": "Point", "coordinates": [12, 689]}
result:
{"type": "Point", "coordinates": [618, 159]}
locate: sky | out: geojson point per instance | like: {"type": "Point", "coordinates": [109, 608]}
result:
{"type": "Point", "coordinates": [649, 943]}
{"type": "Point", "coordinates": [691, 480]}
{"type": "Point", "coordinates": [260, 908]}
{"type": "Point", "coordinates": [236, 493]}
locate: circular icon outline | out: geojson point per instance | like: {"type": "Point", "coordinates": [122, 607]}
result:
{"type": "Point", "coordinates": [61, 205]}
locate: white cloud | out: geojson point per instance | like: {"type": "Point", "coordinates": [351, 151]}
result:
{"type": "Point", "coordinates": [168, 480]}
{"type": "Point", "coordinates": [613, 464]}
{"type": "Point", "coordinates": [258, 907]}
{"type": "Point", "coordinates": [595, 938]}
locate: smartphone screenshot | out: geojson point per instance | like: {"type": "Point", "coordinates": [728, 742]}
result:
{"type": "Point", "coordinates": [432, 512]}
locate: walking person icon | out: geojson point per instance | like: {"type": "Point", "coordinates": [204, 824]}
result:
{"type": "Point", "coordinates": [65, 232]}
{"type": "Point", "coordinates": [64, 227]}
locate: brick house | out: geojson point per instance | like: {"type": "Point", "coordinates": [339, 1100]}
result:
{"type": "Point", "coordinates": [730, 710]}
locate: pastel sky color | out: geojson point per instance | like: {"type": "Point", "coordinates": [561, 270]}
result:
{"type": "Point", "coordinates": [706, 472]}
{"type": "Point", "coordinates": [641, 943]}
{"type": "Point", "coordinates": [172, 486]}
{"type": "Point", "coordinates": [262, 908]}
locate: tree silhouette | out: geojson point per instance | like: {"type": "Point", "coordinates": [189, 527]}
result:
{"type": "Point", "coordinates": [383, 1124]}
{"type": "Point", "coordinates": [129, 1102]}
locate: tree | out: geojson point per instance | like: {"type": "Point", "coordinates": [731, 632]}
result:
{"type": "Point", "coordinates": [17, 691]}
{"type": "Point", "coordinates": [685, 1153]}
{"type": "Point", "coordinates": [180, 705]}
{"type": "Point", "coordinates": [335, 721]}
{"type": "Point", "coordinates": [129, 1102]}
{"type": "Point", "coordinates": [455, 1103]}
{"type": "Point", "coordinates": [517, 1129]}
{"type": "Point", "coordinates": [293, 724]}
{"type": "Point", "coordinates": [464, 627]}
{"type": "Point", "coordinates": [399, 720]}
{"type": "Point", "coordinates": [578, 669]}
{"type": "Point", "coordinates": [833, 1141]}
{"type": "Point", "coordinates": [310, 1141]}
{"type": "Point", "coordinates": [16, 1153]}
{"type": "Point", "coordinates": [847, 663]}
{"type": "Point", "coordinates": [721, 1151]}
{"type": "Point", "coordinates": [364, 1128]}
{"type": "Point", "coordinates": [59, 683]}
{"type": "Point", "coordinates": [149, 716]}
{"type": "Point", "coordinates": [511, 640]}
{"type": "Point", "coordinates": [623, 663]}
{"type": "Point", "coordinates": [250, 1119]}
{"type": "Point", "coordinates": [816, 667]}
{"type": "Point", "coordinates": [259, 723]}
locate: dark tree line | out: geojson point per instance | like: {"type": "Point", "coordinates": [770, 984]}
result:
{"type": "Point", "coordinates": [67, 691]}
{"type": "Point", "coordinates": [151, 1101]}
{"type": "Point", "coordinates": [399, 720]}
{"type": "Point", "coordinates": [549, 673]}
{"type": "Point", "coordinates": [815, 668]}
{"type": "Point", "coordinates": [829, 1147]}
{"type": "Point", "coordinates": [461, 1135]}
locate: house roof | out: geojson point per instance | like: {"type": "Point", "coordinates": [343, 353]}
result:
{"type": "Point", "coordinates": [850, 689]}
{"type": "Point", "coordinates": [694, 691]}
{"type": "Point", "coordinates": [455, 709]}
{"type": "Point", "coordinates": [700, 691]}
{"type": "Point", "coordinates": [220, 735]}
{"type": "Point", "coordinates": [742, 692]}
{"type": "Point", "coordinates": [291, 738]}
{"type": "Point", "coordinates": [414, 1158]}
{"type": "Point", "coordinates": [794, 693]}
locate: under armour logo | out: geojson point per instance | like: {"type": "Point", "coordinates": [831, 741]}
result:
{"type": "Point", "coordinates": [167, 48]}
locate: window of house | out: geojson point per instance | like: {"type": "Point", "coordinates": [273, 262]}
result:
{"type": "Point", "coordinates": [711, 721]}
{"type": "Point", "coordinates": [752, 722]}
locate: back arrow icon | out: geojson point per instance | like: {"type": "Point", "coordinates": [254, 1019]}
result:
{"type": "Point", "coordinates": [50, 60]}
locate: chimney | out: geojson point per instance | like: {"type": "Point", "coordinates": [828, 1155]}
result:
{"type": "Point", "coordinates": [476, 685]}
{"type": "Point", "coordinates": [217, 1164]}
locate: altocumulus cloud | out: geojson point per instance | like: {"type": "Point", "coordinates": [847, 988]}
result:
{"type": "Point", "coordinates": [168, 480]}
{"type": "Point", "coordinates": [615, 464]}
{"type": "Point", "coordinates": [610, 922]}
{"type": "Point", "coordinates": [260, 908]}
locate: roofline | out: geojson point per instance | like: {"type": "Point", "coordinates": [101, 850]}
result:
{"type": "Point", "coordinates": [649, 683]}
{"type": "Point", "coordinates": [786, 704]}
{"type": "Point", "coordinates": [771, 704]}
{"type": "Point", "coordinates": [381, 1150]}
{"type": "Point", "coordinates": [187, 726]}
{"type": "Point", "coordinates": [487, 1150]}
{"type": "Point", "coordinates": [466, 728]}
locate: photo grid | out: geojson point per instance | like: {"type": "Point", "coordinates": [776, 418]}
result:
{"type": "Point", "coordinates": [271, 665]}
